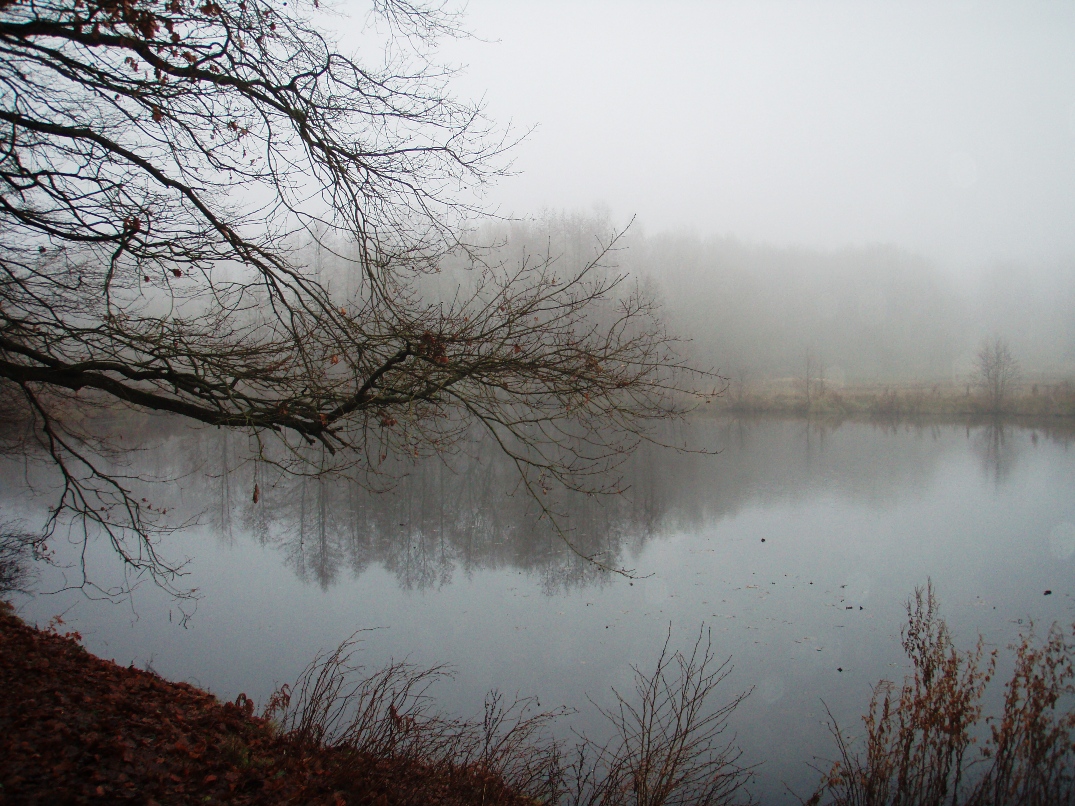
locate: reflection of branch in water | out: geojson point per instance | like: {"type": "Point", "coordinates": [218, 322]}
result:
{"type": "Point", "coordinates": [16, 551]}
{"type": "Point", "coordinates": [311, 543]}
{"type": "Point", "coordinates": [996, 449]}
{"type": "Point", "coordinates": [225, 491]}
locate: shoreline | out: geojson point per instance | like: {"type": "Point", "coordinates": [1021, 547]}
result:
{"type": "Point", "coordinates": [1054, 402]}
{"type": "Point", "coordinates": [75, 728]}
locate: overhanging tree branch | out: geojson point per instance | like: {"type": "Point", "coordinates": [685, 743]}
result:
{"type": "Point", "coordinates": [171, 176]}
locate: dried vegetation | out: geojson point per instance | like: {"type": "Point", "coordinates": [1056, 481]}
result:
{"type": "Point", "coordinates": [86, 728]}
{"type": "Point", "coordinates": [369, 718]}
{"type": "Point", "coordinates": [926, 742]}
{"type": "Point", "coordinates": [667, 745]}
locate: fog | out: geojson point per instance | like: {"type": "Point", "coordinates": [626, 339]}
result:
{"type": "Point", "coordinates": [870, 188]}
{"type": "Point", "coordinates": [753, 312]}
{"type": "Point", "coordinates": [880, 185]}
{"type": "Point", "coordinates": [947, 129]}
{"type": "Point", "coordinates": [864, 314]}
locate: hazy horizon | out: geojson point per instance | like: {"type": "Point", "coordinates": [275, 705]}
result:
{"type": "Point", "coordinates": [945, 130]}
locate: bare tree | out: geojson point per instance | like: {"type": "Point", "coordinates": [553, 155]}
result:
{"type": "Point", "coordinates": [997, 372]}
{"type": "Point", "coordinates": [161, 164]}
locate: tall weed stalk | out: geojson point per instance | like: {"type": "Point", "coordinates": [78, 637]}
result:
{"type": "Point", "coordinates": [1032, 747]}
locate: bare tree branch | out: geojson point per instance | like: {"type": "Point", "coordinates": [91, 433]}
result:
{"type": "Point", "coordinates": [171, 177]}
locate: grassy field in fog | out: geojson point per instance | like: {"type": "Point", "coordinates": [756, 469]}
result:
{"type": "Point", "coordinates": [950, 399]}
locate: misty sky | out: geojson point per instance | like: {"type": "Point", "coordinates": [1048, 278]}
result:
{"type": "Point", "coordinates": [946, 128]}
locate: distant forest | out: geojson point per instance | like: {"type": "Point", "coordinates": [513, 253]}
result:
{"type": "Point", "coordinates": [754, 312]}
{"type": "Point", "coordinates": [872, 314]}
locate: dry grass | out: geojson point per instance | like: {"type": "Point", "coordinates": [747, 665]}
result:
{"type": "Point", "coordinates": [903, 400]}
{"type": "Point", "coordinates": [922, 740]}
{"type": "Point", "coordinates": [388, 715]}
{"type": "Point", "coordinates": [668, 744]}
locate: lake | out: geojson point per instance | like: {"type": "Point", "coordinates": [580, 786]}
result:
{"type": "Point", "coordinates": [797, 546]}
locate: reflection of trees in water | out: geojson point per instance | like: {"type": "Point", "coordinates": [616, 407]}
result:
{"type": "Point", "coordinates": [226, 532]}
{"type": "Point", "coordinates": [434, 521]}
{"type": "Point", "coordinates": [998, 444]}
{"type": "Point", "coordinates": [997, 450]}
{"type": "Point", "coordinates": [440, 520]}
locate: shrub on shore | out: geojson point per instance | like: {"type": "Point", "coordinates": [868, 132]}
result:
{"type": "Point", "coordinates": [927, 743]}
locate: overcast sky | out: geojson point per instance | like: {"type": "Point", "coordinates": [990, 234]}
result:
{"type": "Point", "coordinates": [947, 128]}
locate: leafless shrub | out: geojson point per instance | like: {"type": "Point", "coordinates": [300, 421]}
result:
{"type": "Point", "coordinates": [388, 714]}
{"type": "Point", "coordinates": [335, 703]}
{"type": "Point", "coordinates": [918, 742]}
{"type": "Point", "coordinates": [667, 747]}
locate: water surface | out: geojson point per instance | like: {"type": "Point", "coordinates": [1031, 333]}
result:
{"type": "Point", "coordinates": [797, 546]}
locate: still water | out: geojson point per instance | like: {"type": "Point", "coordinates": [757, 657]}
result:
{"type": "Point", "coordinates": [796, 546]}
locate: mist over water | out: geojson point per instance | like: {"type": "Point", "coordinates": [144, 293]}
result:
{"type": "Point", "coordinates": [867, 190]}
{"type": "Point", "coordinates": [885, 185]}
{"type": "Point", "coordinates": [754, 313]}
{"type": "Point", "coordinates": [796, 545]}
